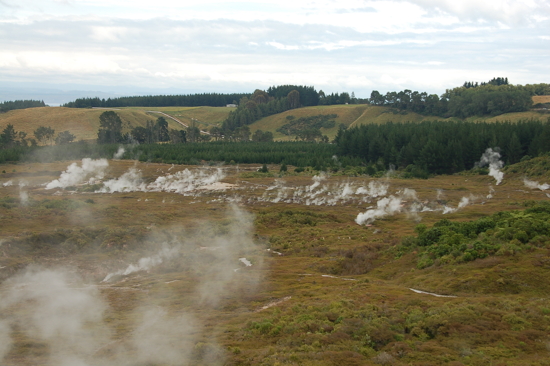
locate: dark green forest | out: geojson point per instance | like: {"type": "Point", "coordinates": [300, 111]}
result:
{"type": "Point", "coordinates": [299, 154]}
{"type": "Point", "coordinates": [188, 100]}
{"type": "Point", "coordinates": [308, 97]}
{"type": "Point", "coordinates": [443, 147]}
{"type": "Point", "coordinates": [20, 104]}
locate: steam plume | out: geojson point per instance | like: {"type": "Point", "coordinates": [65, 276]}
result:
{"type": "Point", "coordinates": [55, 307]}
{"type": "Point", "coordinates": [23, 195]}
{"type": "Point", "coordinates": [464, 201]}
{"type": "Point", "coordinates": [144, 264]}
{"type": "Point", "coordinates": [90, 169]}
{"type": "Point", "coordinates": [492, 158]}
{"type": "Point", "coordinates": [535, 185]}
{"type": "Point", "coordinates": [384, 207]}
{"type": "Point", "coordinates": [120, 153]}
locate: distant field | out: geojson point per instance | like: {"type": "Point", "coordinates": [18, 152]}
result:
{"type": "Point", "coordinates": [204, 117]}
{"type": "Point", "coordinates": [83, 123]}
{"type": "Point", "coordinates": [375, 114]}
{"type": "Point", "coordinates": [541, 99]}
{"type": "Point", "coordinates": [347, 114]}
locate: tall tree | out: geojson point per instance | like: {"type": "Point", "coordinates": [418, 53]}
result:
{"type": "Point", "coordinates": [44, 134]}
{"type": "Point", "coordinates": [8, 136]}
{"type": "Point", "coordinates": [64, 137]}
{"type": "Point", "coordinates": [161, 130]}
{"type": "Point", "coordinates": [110, 128]}
{"type": "Point", "coordinates": [293, 99]}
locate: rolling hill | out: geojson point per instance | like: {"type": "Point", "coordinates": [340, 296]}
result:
{"type": "Point", "coordinates": [84, 123]}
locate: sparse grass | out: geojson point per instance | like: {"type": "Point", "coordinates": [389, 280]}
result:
{"type": "Point", "coordinates": [364, 314]}
{"type": "Point", "coordinates": [81, 122]}
{"type": "Point", "coordinates": [347, 114]}
{"type": "Point", "coordinates": [84, 123]}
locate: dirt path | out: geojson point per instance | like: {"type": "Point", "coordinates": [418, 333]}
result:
{"type": "Point", "coordinates": [177, 120]}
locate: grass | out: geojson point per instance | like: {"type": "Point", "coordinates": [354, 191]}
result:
{"type": "Point", "coordinates": [347, 114]}
{"type": "Point", "coordinates": [541, 99]}
{"type": "Point", "coordinates": [339, 294]}
{"type": "Point", "coordinates": [84, 123]}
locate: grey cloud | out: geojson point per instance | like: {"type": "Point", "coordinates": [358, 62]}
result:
{"type": "Point", "coordinates": [366, 9]}
{"type": "Point", "coordinates": [240, 56]}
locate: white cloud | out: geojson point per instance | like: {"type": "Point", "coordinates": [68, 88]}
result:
{"type": "Point", "coordinates": [358, 45]}
{"type": "Point", "coordinates": [510, 12]}
{"type": "Point", "coordinates": [109, 34]}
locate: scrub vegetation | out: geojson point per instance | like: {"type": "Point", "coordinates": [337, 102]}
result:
{"type": "Point", "coordinates": [417, 242]}
{"type": "Point", "coordinates": [320, 289]}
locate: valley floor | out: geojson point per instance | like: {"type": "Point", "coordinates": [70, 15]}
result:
{"type": "Point", "coordinates": [127, 263]}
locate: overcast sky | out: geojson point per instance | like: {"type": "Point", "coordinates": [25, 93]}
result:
{"type": "Point", "coordinates": [223, 46]}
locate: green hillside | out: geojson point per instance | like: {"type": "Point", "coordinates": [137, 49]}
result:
{"type": "Point", "coordinates": [356, 115]}
{"type": "Point", "coordinates": [84, 122]}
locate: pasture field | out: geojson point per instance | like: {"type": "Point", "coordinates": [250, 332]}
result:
{"type": "Point", "coordinates": [84, 123]}
{"type": "Point", "coordinates": [81, 122]}
{"type": "Point", "coordinates": [126, 263]}
{"type": "Point", "coordinates": [541, 99]}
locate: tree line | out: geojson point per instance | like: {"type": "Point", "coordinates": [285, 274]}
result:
{"type": "Point", "coordinates": [10, 138]}
{"type": "Point", "coordinates": [472, 99]}
{"type": "Point", "coordinates": [442, 147]}
{"type": "Point", "coordinates": [308, 96]}
{"type": "Point", "coordinates": [187, 100]}
{"type": "Point", "coordinates": [299, 154]}
{"type": "Point", "coordinates": [20, 104]}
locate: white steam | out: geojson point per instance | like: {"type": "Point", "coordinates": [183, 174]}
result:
{"type": "Point", "coordinates": [491, 192]}
{"type": "Point", "coordinates": [535, 185]}
{"type": "Point", "coordinates": [464, 201]}
{"type": "Point", "coordinates": [8, 183]}
{"type": "Point", "coordinates": [317, 181]}
{"type": "Point", "coordinates": [186, 181]}
{"type": "Point", "coordinates": [151, 342]}
{"type": "Point", "coordinates": [131, 181]}
{"type": "Point", "coordinates": [90, 171]}
{"type": "Point", "coordinates": [181, 182]}
{"type": "Point", "coordinates": [385, 207]}
{"type": "Point", "coordinates": [374, 189]}
{"type": "Point", "coordinates": [56, 309]}
{"type": "Point", "coordinates": [321, 193]}
{"type": "Point", "coordinates": [144, 264]}
{"type": "Point", "coordinates": [57, 315]}
{"type": "Point", "coordinates": [23, 195]}
{"type": "Point", "coordinates": [120, 153]}
{"type": "Point", "coordinates": [492, 158]}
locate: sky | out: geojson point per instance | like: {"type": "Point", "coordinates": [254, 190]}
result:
{"type": "Point", "coordinates": [135, 47]}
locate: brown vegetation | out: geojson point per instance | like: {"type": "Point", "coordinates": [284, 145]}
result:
{"type": "Point", "coordinates": [345, 288]}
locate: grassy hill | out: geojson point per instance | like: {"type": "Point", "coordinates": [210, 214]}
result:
{"type": "Point", "coordinates": [356, 115]}
{"type": "Point", "coordinates": [84, 123]}
{"type": "Point", "coordinates": [349, 115]}
{"type": "Point", "coordinates": [203, 117]}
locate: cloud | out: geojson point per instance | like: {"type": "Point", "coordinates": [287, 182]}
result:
{"type": "Point", "coordinates": [509, 12]}
{"type": "Point", "coordinates": [109, 34]}
{"type": "Point", "coordinates": [422, 44]}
